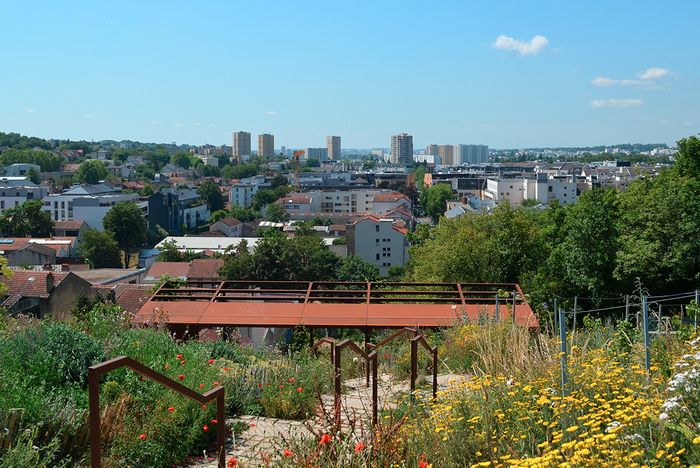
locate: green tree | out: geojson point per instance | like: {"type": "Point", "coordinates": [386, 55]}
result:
{"type": "Point", "coordinates": [210, 192]}
{"type": "Point", "coordinates": [241, 214]}
{"type": "Point", "coordinates": [279, 181]}
{"type": "Point", "coordinates": [688, 157]}
{"type": "Point", "coordinates": [264, 197]}
{"type": "Point", "coordinates": [33, 175]}
{"type": "Point", "coordinates": [584, 261]}
{"type": "Point", "coordinates": [126, 223]}
{"type": "Point", "coordinates": [181, 159]}
{"type": "Point", "coordinates": [26, 220]}
{"type": "Point", "coordinates": [483, 248]}
{"type": "Point", "coordinates": [276, 213]}
{"type": "Point", "coordinates": [100, 249]}
{"type": "Point", "coordinates": [434, 200]}
{"type": "Point", "coordinates": [91, 172]}
{"type": "Point", "coordinates": [354, 268]}
{"type": "Point", "coordinates": [47, 161]}
{"type": "Point", "coordinates": [170, 253]}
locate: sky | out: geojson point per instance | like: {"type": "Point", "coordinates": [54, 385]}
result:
{"type": "Point", "coordinates": [509, 74]}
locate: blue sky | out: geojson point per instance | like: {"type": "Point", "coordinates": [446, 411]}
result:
{"type": "Point", "coordinates": [508, 74]}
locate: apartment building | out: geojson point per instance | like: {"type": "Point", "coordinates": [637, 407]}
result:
{"type": "Point", "coordinates": [402, 149]}
{"type": "Point", "coordinates": [241, 145]}
{"type": "Point", "coordinates": [16, 190]}
{"type": "Point", "coordinates": [266, 145]}
{"type": "Point", "coordinates": [87, 202]}
{"type": "Point", "coordinates": [333, 147]}
{"type": "Point", "coordinates": [378, 241]}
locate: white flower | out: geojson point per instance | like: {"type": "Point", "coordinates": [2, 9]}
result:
{"type": "Point", "coordinates": [663, 417]}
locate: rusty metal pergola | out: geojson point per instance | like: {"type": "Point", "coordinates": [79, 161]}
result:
{"type": "Point", "coordinates": [332, 304]}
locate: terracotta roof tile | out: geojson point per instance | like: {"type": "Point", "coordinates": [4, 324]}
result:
{"type": "Point", "coordinates": [29, 283]}
{"type": "Point", "coordinates": [175, 269]}
{"type": "Point", "coordinates": [205, 268]}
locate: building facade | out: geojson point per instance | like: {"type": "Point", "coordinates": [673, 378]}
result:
{"type": "Point", "coordinates": [87, 202]}
{"type": "Point", "coordinates": [241, 145]}
{"type": "Point", "coordinates": [266, 145]}
{"type": "Point", "coordinates": [316, 153]}
{"type": "Point", "coordinates": [333, 147]}
{"type": "Point", "coordinates": [402, 149]}
{"type": "Point", "coordinates": [378, 241]}
{"type": "Point", "coordinates": [16, 190]}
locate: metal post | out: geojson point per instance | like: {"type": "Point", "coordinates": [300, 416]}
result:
{"type": "Point", "coordinates": [221, 430]}
{"type": "Point", "coordinates": [695, 315]}
{"type": "Point", "coordinates": [573, 328]}
{"type": "Point", "coordinates": [414, 365]}
{"type": "Point", "coordinates": [495, 315]}
{"type": "Point", "coordinates": [562, 339]}
{"type": "Point", "coordinates": [94, 395]}
{"type": "Point", "coordinates": [515, 295]}
{"type": "Point", "coordinates": [375, 398]}
{"type": "Point", "coordinates": [658, 323]}
{"type": "Point", "coordinates": [368, 369]}
{"type": "Point", "coordinates": [645, 318]}
{"type": "Point", "coordinates": [435, 372]}
{"type": "Point", "coordinates": [337, 388]}
{"type": "Point", "coordinates": [627, 307]}
{"type": "Point", "coordinates": [555, 312]}
{"type": "Point", "coordinates": [311, 338]}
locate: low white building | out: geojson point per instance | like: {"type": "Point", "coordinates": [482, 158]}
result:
{"type": "Point", "coordinates": [378, 241]}
{"type": "Point", "coordinates": [16, 190]}
{"type": "Point", "coordinates": [87, 202]}
{"type": "Point", "coordinates": [242, 194]}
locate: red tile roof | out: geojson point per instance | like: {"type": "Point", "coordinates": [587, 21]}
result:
{"type": "Point", "coordinates": [389, 197]}
{"type": "Point", "coordinates": [69, 224]}
{"type": "Point", "coordinates": [230, 221]}
{"type": "Point", "coordinates": [29, 283]}
{"type": "Point", "coordinates": [295, 199]}
{"type": "Point", "coordinates": [205, 268]}
{"type": "Point", "coordinates": [132, 297]}
{"type": "Point", "coordinates": [174, 269]}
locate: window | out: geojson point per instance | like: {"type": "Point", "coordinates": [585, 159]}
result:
{"type": "Point", "coordinates": [377, 256]}
{"type": "Point", "coordinates": [376, 227]}
{"type": "Point", "coordinates": [377, 241]}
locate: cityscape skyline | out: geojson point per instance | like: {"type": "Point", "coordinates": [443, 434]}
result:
{"type": "Point", "coordinates": [534, 77]}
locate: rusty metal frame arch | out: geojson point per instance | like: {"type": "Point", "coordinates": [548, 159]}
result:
{"type": "Point", "coordinates": [371, 360]}
{"type": "Point", "coordinates": [96, 371]}
{"type": "Point", "coordinates": [433, 350]}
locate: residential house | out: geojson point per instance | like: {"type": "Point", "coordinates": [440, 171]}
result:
{"type": "Point", "coordinates": [16, 190]}
{"type": "Point", "coordinates": [230, 227]}
{"type": "Point", "coordinates": [32, 254]}
{"type": "Point", "coordinates": [173, 209]}
{"type": "Point", "coordinates": [378, 241]}
{"type": "Point", "coordinates": [87, 202]}
{"type": "Point", "coordinates": [20, 169]}
{"type": "Point", "coordinates": [43, 293]}
{"type": "Point", "coordinates": [383, 203]}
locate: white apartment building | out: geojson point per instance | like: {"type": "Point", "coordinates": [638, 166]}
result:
{"type": "Point", "coordinates": [378, 241]}
{"type": "Point", "coordinates": [16, 190]}
{"type": "Point", "coordinates": [242, 194]}
{"type": "Point", "coordinates": [541, 189]}
{"type": "Point", "coordinates": [87, 202]}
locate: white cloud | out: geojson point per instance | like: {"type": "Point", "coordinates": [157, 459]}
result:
{"type": "Point", "coordinates": [602, 81]}
{"type": "Point", "coordinates": [533, 46]}
{"type": "Point", "coordinates": [89, 116]}
{"type": "Point", "coordinates": [197, 124]}
{"type": "Point", "coordinates": [179, 124]}
{"type": "Point", "coordinates": [617, 103]}
{"type": "Point", "coordinates": [271, 112]}
{"type": "Point", "coordinates": [30, 110]}
{"type": "Point", "coordinates": [653, 73]}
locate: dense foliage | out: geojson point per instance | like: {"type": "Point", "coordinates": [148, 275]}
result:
{"type": "Point", "coordinates": [91, 172]}
{"type": "Point", "coordinates": [100, 249]}
{"type": "Point", "coordinates": [46, 160]}
{"type": "Point", "coordinates": [26, 220]}
{"type": "Point", "coordinates": [126, 223]}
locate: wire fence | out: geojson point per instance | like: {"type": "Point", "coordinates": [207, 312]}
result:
{"type": "Point", "coordinates": [645, 311]}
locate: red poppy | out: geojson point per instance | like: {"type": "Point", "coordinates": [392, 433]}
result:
{"type": "Point", "coordinates": [359, 446]}
{"type": "Point", "coordinates": [182, 362]}
{"type": "Point", "coordinates": [205, 428]}
{"type": "Point", "coordinates": [290, 380]}
{"type": "Point", "coordinates": [232, 462]}
{"type": "Point", "coordinates": [204, 407]}
{"type": "Point", "coordinates": [251, 425]}
{"type": "Point", "coordinates": [299, 390]}
{"type": "Point", "coordinates": [288, 453]}
{"type": "Point", "coordinates": [281, 387]}
{"type": "Point", "coordinates": [422, 462]}
{"type": "Point", "coordinates": [166, 366]}
{"type": "Point", "coordinates": [259, 385]}
{"type": "Point", "coordinates": [214, 421]}
{"type": "Point", "coordinates": [171, 409]}
{"type": "Point", "coordinates": [324, 439]}
{"type": "Point", "coordinates": [225, 369]}
{"type": "Point", "coordinates": [142, 437]}
{"type": "Point", "coordinates": [210, 361]}
{"type": "Point", "coordinates": [201, 385]}
{"type": "Point", "coordinates": [216, 382]}
{"type": "Point", "coordinates": [181, 377]}
{"type": "Point", "coordinates": [179, 356]}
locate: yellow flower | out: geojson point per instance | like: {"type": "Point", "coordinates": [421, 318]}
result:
{"type": "Point", "coordinates": [696, 440]}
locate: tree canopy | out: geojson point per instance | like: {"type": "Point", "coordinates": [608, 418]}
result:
{"type": "Point", "coordinates": [210, 192]}
{"type": "Point", "coordinates": [48, 162]}
{"type": "Point", "coordinates": [26, 220]}
{"type": "Point", "coordinates": [91, 172]}
{"type": "Point", "coordinates": [100, 249]}
{"type": "Point", "coordinates": [126, 223]}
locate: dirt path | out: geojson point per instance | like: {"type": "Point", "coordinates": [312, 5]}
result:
{"type": "Point", "coordinates": [264, 435]}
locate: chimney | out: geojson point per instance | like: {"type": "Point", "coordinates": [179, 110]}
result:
{"type": "Point", "coordinates": [49, 282]}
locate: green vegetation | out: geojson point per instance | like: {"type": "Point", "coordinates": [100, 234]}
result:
{"type": "Point", "coordinates": [210, 193]}
{"type": "Point", "coordinates": [26, 220]}
{"type": "Point", "coordinates": [170, 253]}
{"type": "Point", "coordinates": [19, 142]}
{"type": "Point", "coordinates": [47, 161]}
{"type": "Point", "coordinates": [91, 172]}
{"type": "Point", "coordinates": [100, 249]}
{"type": "Point", "coordinates": [434, 200]}
{"type": "Point", "coordinates": [126, 223]}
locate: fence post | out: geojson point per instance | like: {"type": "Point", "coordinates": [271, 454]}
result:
{"type": "Point", "coordinates": [627, 307]}
{"type": "Point", "coordinates": [94, 395]}
{"type": "Point", "coordinates": [515, 295]}
{"type": "Point", "coordinates": [645, 318]}
{"type": "Point", "coordinates": [375, 402]}
{"type": "Point", "coordinates": [414, 365]}
{"type": "Point", "coordinates": [695, 315]}
{"type": "Point", "coordinates": [337, 387]}
{"type": "Point", "coordinates": [573, 328]}
{"type": "Point", "coordinates": [658, 323]}
{"type": "Point", "coordinates": [221, 429]}
{"type": "Point", "coordinates": [555, 313]}
{"type": "Point", "coordinates": [496, 312]}
{"type": "Point", "coordinates": [562, 338]}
